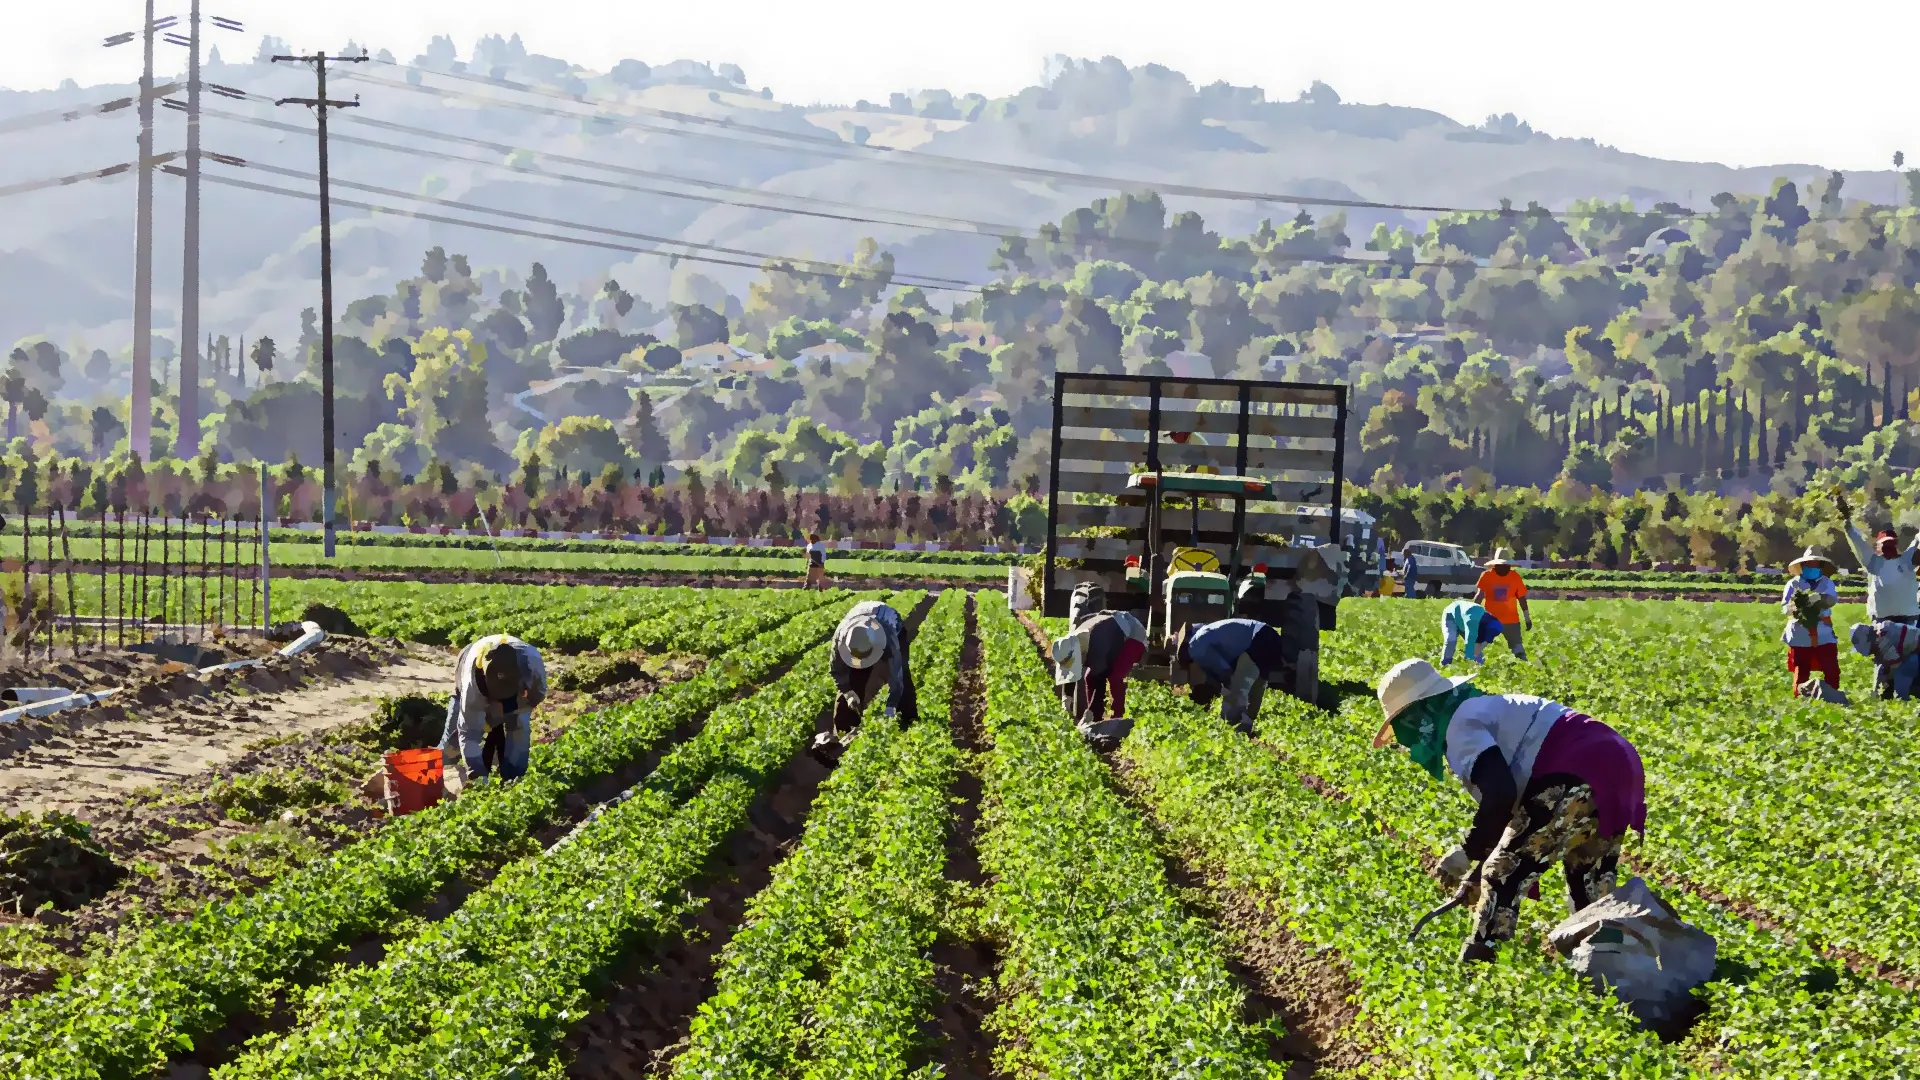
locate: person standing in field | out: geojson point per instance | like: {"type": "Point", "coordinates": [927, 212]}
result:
{"type": "Point", "coordinates": [816, 562]}
{"type": "Point", "coordinates": [1893, 590]}
{"type": "Point", "coordinates": [1553, 785]}
{"type": "Point", "coordinates": [1465, 623]}
{"type": "Point", "coordinates": [1410, 578]}
{"type": "Point", "coordinates": [868, 655]}
{"type": "Point", "coordinates": [1808, 601]}
{"type": "Point", "coordinates": [1504, 595]}
{"type": "Point", "coordinates": [498, 682]}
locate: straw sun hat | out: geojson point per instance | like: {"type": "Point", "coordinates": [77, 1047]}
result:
{"type": "Point", "coordinates": [1500, 558]}
{"type": "Point", "coordinates": [1405, 683]}
{"type": "Point", "coordinates": [1813, 556]}
{"type": "Point", "coordinates": [861, 650]}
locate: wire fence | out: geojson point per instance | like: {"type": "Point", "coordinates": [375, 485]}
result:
{"type": "Point", "coordinates": [77, 584]}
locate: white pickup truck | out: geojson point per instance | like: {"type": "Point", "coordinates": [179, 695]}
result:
{"type": "Point", "coordinates": [1443, 569]}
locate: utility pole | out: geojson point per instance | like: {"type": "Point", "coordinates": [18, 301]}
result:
{"type": "Point", "coordinates": [140, 418]}
{"type": "Point", "coordinates": [319, 104]}
{"type": "Point", "coordinates": [188, 443]}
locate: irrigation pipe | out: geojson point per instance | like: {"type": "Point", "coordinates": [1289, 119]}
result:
{"type": "Point", "coordinates": [311, 635]}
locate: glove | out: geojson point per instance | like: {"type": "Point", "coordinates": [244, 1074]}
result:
{"type": "Point", "coordinates": [892, 713]}
{"type": "Point", "coordinates": [1454, 868]}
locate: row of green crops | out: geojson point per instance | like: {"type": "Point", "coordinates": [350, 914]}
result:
{"type": "Point", "coordinates": [494, 987]}
{"type": "Point", "coordinates": [538, 555]}
{"type": "Point", "coordinates": [829, 977]}
{"type": "Point", "coordinates": [569, 618]}
{"type": "Point", "coordinates": [1732, 763]}
{"type": "Point", "coordinates": [162, 987]}
{"type": "Point", "coordinates": [1104, 973]}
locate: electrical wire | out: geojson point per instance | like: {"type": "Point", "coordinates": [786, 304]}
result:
{"type": "Point", "coordinates": [672, 257]}
{"type": "Point", "coordinates": [836, 269]}
{"type": "Point", "coordinates": [58, 116]}
{"type": "Point", "coordinates": [78, 178]}
{"type": "Point", "coordinates": [728, 129]}
{"type": "Point", "coordinates": [848, 213]}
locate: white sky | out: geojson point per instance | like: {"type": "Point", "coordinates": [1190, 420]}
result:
{"type": "Point", "coordinates": [1753, 83]}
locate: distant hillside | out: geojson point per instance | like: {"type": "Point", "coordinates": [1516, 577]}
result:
{"type": "Point", "coordinates": [66, 254]}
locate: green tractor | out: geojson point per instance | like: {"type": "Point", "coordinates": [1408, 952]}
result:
{"type": "Point", "coordinates": [1145, 510]}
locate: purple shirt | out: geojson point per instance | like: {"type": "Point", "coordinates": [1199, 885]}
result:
{"type": "Point", "coordinates": [1578, 745]}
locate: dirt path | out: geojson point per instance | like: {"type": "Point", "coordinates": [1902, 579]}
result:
{"type": "Point", "coordinates": [117, 756]}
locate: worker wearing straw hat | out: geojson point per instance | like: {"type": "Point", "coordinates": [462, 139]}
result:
{"type": "Point", "coordinates": [499, 681]}
{"type": "Point", "coordinates": [1808, 601]}
{"type": "Point", "coordinates": [1504, 595]}
{"type": "Point", "coordinates": [1553, 785]}
{"type": "Point", "coordinates": [867, 656]}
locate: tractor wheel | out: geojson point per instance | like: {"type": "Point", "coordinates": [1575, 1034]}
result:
{"type": "Point", "coordinates": [1299, 626]}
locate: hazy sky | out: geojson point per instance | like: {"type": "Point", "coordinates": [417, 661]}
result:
{"type": "Point", "coordinates": [1759, 82]}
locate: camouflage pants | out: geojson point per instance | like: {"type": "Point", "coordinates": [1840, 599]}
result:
{"type": "Point", "coordinates": [1557, 823]}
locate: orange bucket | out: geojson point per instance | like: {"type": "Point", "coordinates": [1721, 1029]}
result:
{"type": "Point", "coordinates": [418, 779]}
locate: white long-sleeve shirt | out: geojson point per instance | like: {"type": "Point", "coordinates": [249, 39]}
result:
{"type": "Point", "coordinates": [1796, 634]}
{"type": "Point", "coordinates": [469, 709]}
{"type": "Point", "coordinates": [1893, 590]}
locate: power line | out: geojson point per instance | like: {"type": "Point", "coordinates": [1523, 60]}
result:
{"type": "Point", "coordinates": [509, 230]}
{"type": "Point", "coordinates": [79, 178]}
{"type": "Point", "coordinates": [836, 269]}
{"type": "Point", "coordinates": [58, 116]}
{"type": "Point", "coordinates": [729, 129]}
{"type": "Point", "coordinates": [832, 209]}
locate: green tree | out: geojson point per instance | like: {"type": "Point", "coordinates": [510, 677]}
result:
{"type": "Point", "coordinates": [546, 314]}
{"type": "Point", "coordinates": [446, 396]}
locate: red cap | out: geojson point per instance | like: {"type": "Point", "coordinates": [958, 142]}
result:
{"type": "Point", "coordinates": [1886, 534]}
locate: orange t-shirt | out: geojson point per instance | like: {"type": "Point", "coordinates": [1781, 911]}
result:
{"type": "Point", "coordinates": [1501, 594]}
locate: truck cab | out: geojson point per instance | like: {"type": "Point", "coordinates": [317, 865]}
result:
{"type": "Point", "coordinates": [1441, 569]}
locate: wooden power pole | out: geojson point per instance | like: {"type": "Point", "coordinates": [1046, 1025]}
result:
{"type": "Point", "coordinates": [319, 103]}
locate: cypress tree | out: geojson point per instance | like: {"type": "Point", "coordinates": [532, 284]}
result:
{"type": "Point", "coordinates": [1762, 449]}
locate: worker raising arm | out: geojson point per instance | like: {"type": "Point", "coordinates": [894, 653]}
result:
{"type": "Point", "coordinates": [1233, 659]}
{"type": "Point", "coordinates": [499, 681]}
{"type": "Point", "coordinates": [1467, 623]}
{"type": "Point", "coordinates": [868, 655]}
{"type": "Point", "coordinates": [1552, 784]}
{"type": "Point", "coordinates": [1893, 591]}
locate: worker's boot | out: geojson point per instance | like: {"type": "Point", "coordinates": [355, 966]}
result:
{"type": "Point", "coordinates": [1477, 952]}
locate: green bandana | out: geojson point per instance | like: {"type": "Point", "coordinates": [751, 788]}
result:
{"type": "Point", "coordinates": [1422, 726]}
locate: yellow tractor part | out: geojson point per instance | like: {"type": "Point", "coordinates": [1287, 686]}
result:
{"type": "Point", "coordinates": [1188, 558]}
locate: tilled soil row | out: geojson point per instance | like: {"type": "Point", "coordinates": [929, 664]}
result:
{"type": "Point", "coordinates": [149, 692]}
{"type": "Point", "coordinates": [648, 1007]}
{"type": "Point", "coordinates": [964, 969]}
{"type": "Point", "coordinates": [1309, 990]}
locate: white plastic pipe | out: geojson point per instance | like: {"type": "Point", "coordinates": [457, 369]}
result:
{"type": "Point", "coordinates": [27, 695]}
{"type": "Point", "coordinates": [311, 636]}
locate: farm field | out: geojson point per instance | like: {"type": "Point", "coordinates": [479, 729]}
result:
{"type": "Point", "coordinates": [678, 890]}
{"type": "Point", "coordinates": [556, 557]}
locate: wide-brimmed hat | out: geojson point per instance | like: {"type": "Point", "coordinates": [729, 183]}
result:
{"type": "Point", "coordinates": [1405, 683]}
{"type": "Point", "coordinates": [1813, 556]}
{"type": "Point", "coordinates": [1500, 558]}
{"type": "Point", "coordinates": [861, 647]}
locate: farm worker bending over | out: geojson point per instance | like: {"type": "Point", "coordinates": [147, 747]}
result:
{"type": "Point", "coordinates": [867, 656]}
{"type": "Point", "coordinates": [499, 682]}
{"type": "Point", "coordinates": [816, 562]}
{"type": "Point", "coordinates": [1553, 785]}
{"type": "Point", "coordinates": [1239, 655]}
{"type": "Point", "coordinates": [1466, 623]}
{"type": "Point", "coordinates": [1095, 659]}
{"type": "Point", "coordinates": [1504, 595]}
{"type": "Point", "coordinates": [1893, 591]}
{"type": "Point", "coordinates": [1894, 647]}
{"type": "Point", "coordinates": [1808, 601]}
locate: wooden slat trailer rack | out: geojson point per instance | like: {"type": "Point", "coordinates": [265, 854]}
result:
{"type": "Point", "coordinates": [1189, 500]}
